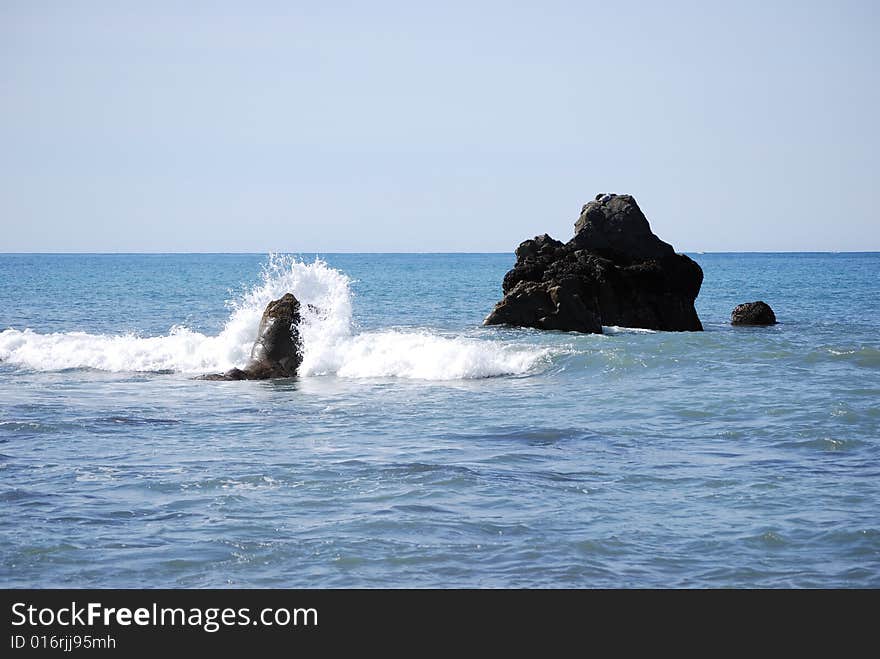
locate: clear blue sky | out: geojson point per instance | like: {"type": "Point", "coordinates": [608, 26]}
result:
{"type": "Point", "coordinates": [435, 126]}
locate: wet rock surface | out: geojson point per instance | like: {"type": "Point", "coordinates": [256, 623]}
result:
{"type": "Point", "coordinates": [276, 352]}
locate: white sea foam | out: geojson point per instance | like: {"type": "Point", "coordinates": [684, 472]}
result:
{"type": "Point", "coordinates": [616, 329]}
{"type": "Point", "coordinates": [329, 344]}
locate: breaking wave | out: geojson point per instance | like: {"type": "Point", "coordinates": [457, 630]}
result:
{"type": "Point", "coordinates": [330, 344]}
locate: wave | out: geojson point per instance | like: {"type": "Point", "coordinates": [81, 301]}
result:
{"type": "Point", "coordinates": [330, 346]}
{"type": "Point", "coordinates": [616, 329]}
{"type": "Point", "coordinates": [865, 356]}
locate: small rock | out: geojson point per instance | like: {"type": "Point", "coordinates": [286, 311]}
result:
{"type": "Point", "coordinates": [276, 352]}
{"type": "Point", "coordinates": [753, 313]}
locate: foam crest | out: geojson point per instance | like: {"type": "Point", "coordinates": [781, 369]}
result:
{"type": "Point", "coordinates": [420, 355]}
{"type": "Point", "coordinates": [179, 350]}
{"type": "Point", "coordinates": [329, 344]}
{"type": "Point", "coordinates": [616, 329]}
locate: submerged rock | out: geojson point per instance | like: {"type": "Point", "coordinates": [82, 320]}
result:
{"type": "Point", "coordinates": [614, 271]}
{"type": "Point", "coordinates": [276, 352]}
{"type": "Point", "coordinates": [752, 313]}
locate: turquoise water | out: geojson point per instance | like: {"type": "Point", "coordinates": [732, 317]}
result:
{"type": "Point", "coordinates": [421, 449]}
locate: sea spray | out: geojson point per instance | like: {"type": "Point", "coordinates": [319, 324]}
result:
{"type": "Point", "coordinates": [330, 344]}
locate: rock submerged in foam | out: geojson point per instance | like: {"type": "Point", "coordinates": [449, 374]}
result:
{"type": "Point", "coordinates": [277, 351]}
{"type": "Point", "coordinates": [614, 271]}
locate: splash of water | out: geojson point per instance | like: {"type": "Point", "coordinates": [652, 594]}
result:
{"type": "Point", "coordinates": [330, 346]}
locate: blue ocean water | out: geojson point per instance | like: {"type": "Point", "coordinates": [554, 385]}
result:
{"type": "Point", "coordinates": [421, 449]}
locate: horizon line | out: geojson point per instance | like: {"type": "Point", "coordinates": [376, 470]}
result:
{"type": "Point", "coordinates": [318, 252]}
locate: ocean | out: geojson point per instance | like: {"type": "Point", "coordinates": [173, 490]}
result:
{"type": "Point", "coordinates": [420, 449]}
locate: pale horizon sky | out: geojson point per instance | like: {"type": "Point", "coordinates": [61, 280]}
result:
{"type": "Point", "coordinates": [435, 127]}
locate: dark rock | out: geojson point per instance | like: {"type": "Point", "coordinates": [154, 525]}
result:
{"type": "Point", "coordinates": [615, 225]}
{"type": "Point", "coordinates": [752, 313]}
{"type": "Point", "coordinates": [537, 304]}
{"type": "Point", "coordinates": [276, 352]}
{"type": "Point", "coordinates": [614, 271]}
{"type": "Point", "coordinates": [232, 374]}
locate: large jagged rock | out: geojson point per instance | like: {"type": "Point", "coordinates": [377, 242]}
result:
{"type": "Point", "coordinates": [752, 313]}
{"type": "Point", "coordinates": [276, 352]}
{"type": "Point", "coordinates": [614, 271]}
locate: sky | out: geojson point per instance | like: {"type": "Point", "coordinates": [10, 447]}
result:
{"type": "Point", "coordinates": [435, 126]}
